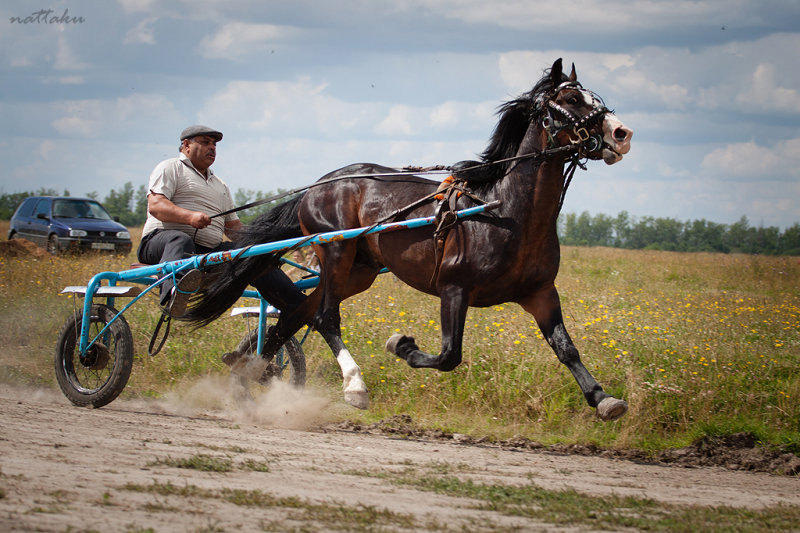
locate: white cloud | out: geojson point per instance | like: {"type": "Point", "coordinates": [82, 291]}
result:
{"type": "Point", "coordinates": [765, 94]}
{"type": "Point", "coordinates": [235, 40]}
{"type": "Point", "coordinates": [446, 114]}
{"type": "Point", "coordinates": [102, 118]}
{"type": "Point", "coordinates": [670, 96]}
{"type": "Point", "coordinates": [65, 80]}
{"type": "Point", "coordinates": [142, 33]}
{"type": "Point", "coordinates": [137, 6]}
{"type": "Point", "coordinates": [305, 109]}
{"type": "Point", "coordinates": [65, 58]}
{"type": "Point", "coordinates": [751, 161]}
{"type": "Point", "coordinates": [46, 149]}
{"type": "Point", "coordinates": [23, 61]}
{"type": "Point", "coordinates": [396, 122]}
{"type": "Point", "coordinates": [527, 15]}
{"type": "Point", "coordinates": [292, 108]}
{"type": "Point", "coordinates": [520, 69]}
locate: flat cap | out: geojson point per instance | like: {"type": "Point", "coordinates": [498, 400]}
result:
{"type": "Point", "coordinates": [194, 131]}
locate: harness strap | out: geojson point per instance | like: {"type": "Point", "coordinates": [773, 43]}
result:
{"type": "Point", "coordinates": [445, 218]}
{"type": "Point", "coordinates": [164, 319]}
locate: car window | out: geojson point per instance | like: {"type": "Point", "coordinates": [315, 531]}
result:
{"type": "Point", "coordinates": [97, 211]}
{"type": "Point", "coordinates": [42, 207]}
{"type": "Point", "coordinates": [79, 209]}
{"type": "Point", "coordinates": [26, 208]}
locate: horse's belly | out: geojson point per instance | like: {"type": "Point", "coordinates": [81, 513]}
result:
{"type": "Point", "coordinates": [409, 255]}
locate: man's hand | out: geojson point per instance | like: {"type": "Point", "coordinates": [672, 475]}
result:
{"type": "Point", "coordinates": [199, 220]}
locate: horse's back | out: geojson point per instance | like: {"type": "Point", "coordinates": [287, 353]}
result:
{"type": "Point", "coordinates": [363, 194]}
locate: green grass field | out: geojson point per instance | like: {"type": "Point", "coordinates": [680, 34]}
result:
{"type": "Point", "coordinates": [698, 344]}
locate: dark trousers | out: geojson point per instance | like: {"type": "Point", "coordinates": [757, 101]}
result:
{"type": "Point", "coordinates": [161, 246]}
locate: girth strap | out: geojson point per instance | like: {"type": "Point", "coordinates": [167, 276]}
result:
{"type": "Point", "coordinates": [445, 217]}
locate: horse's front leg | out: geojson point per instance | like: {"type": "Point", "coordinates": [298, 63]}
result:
{"type": "Point", "coordinates": [453, 315]}
{"type": "Point", "coordinates": [545, 306]}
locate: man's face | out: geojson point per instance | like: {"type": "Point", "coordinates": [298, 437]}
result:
{"type": "Point", "coordinates": [201, 151]}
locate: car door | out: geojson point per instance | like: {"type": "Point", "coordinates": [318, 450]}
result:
{"type": "Point", "coordinates": [22, 219]}
{"type": "Point", "coordinates": [40, 222]}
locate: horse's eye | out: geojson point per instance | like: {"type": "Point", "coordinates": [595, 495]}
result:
{"type": "Point", "coordinates": [573, 100]}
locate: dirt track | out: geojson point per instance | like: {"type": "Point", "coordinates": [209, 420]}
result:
{"type": "Point", "coordinates": [64, 468]}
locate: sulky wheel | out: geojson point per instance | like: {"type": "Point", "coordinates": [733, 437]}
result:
{"type": "Point", "coordinates": [288, 365]}
{"type": "Point", "coordinates": [99, 377]}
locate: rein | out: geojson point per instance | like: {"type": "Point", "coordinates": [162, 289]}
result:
{"type": "Point", "coordinates": [581, 144]}
{"type": "Point", "coordinates": [412, 171]}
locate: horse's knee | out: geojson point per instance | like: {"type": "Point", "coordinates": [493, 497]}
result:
{"type": "Point", "coordinates": [449, 363]}
{"type": "Point", "coordinates": [449, 359]}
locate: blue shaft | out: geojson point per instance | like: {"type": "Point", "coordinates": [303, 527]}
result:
{"type": "Point", "coordinates": [163, 270]}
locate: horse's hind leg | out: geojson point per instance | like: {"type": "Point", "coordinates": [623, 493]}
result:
{"type": "Point", "coordinates": [289, 322]}
{"type": "Point", "coordinates": [341, 280]}
{"type": "Point", "coordinates": [546, 309]}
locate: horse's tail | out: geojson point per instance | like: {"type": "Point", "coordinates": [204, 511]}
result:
{"type": "Point", "coordinates": [231, 279]}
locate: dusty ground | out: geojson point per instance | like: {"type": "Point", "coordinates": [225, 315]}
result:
{"type": "Point", "coordinates": [64, 468]}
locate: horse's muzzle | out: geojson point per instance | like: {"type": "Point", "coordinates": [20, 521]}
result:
{"type": "Point", "coordinates": [616, 139]}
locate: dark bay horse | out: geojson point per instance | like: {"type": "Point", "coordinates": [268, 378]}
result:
{"type": "Point", "coordinates": [510, 255]}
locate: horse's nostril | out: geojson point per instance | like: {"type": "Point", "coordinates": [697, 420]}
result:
{"type": "Point", "coordinates": [620, 134]}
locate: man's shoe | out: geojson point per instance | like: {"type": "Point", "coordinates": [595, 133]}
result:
{"type": "Point", "coordinates": [182, 291]}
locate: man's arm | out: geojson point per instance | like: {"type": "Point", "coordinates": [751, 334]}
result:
{"type": "Point", "coordinates": [164, 210]}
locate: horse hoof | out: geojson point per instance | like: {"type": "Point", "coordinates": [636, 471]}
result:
{"type": "Point", "coordinates": [249, 366]}
{"type": "Point", "coordinates": [230, 358]}
{"type": "Point", "coordinates": [358, 399]}
{"type": "Point", "coordinates": [611, 409]}
{"type": "Point", "coordinates": [394, 340]}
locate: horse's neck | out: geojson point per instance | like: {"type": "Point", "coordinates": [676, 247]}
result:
{"type": "Point", "coordinates": [532, 190]}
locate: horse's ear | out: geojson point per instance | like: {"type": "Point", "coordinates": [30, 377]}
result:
{"type": "Point", "coordinates": [572, 75]}
{"type": "Point", "coordinates": [556, 71]}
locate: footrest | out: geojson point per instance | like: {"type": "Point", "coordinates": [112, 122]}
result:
{"type": "Point", "coordinates": [272, 312]}
{"type": "Point", "coordinates": [117, 291]}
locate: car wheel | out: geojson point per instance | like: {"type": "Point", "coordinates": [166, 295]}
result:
{"type": "Point", "coordinates": [52, 244]}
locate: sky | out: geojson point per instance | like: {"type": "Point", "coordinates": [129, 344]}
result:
{"type": "Point", "coordinates": [94, 94]}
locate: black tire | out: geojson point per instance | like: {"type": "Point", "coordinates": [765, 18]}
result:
{"type": "Point", "coordinates": [289, 365]}
{"type": "Point", "coordinates": [52, 244]}
{"type": "Point", "coordinates": [102, 375]}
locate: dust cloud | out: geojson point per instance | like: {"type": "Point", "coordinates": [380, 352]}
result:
{"type": "Point", "coordinates": [277, 405]}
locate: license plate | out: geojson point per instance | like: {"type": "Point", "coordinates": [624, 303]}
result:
{"type": "Point", "coordinates": [102, 246]}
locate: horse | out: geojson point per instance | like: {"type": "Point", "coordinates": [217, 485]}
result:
{"type": "Point", "coordinates": [509, 255]}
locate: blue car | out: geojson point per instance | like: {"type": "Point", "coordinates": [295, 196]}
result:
{"type": "Point", "coordinates": [61, 223]}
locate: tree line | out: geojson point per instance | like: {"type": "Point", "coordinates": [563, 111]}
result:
{"type": "Point", "coordinates": [130, 204]}
{"type": "Point", "coordinates": [653, 233]}
{"type": "Point", "coordinates": [622, 231]}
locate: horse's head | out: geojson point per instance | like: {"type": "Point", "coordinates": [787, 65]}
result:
{"type": "Point", "coordinates": [574, 115]}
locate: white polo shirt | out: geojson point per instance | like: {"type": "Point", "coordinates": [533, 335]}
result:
{"type": "Point", "coordinates": [181, 183]}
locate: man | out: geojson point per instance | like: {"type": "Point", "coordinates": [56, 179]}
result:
{"type": "Point", "coordinates": [183, 195]}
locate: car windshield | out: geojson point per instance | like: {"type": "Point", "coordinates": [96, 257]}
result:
{"type": "Point", "coordinates": [79, 209]}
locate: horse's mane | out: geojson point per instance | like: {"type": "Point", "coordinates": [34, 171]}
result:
{"type": "Point", "coordinates": [515, 118]}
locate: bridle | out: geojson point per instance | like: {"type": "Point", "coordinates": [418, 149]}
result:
{"type": "Point", "coordinates": [557, 119]}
